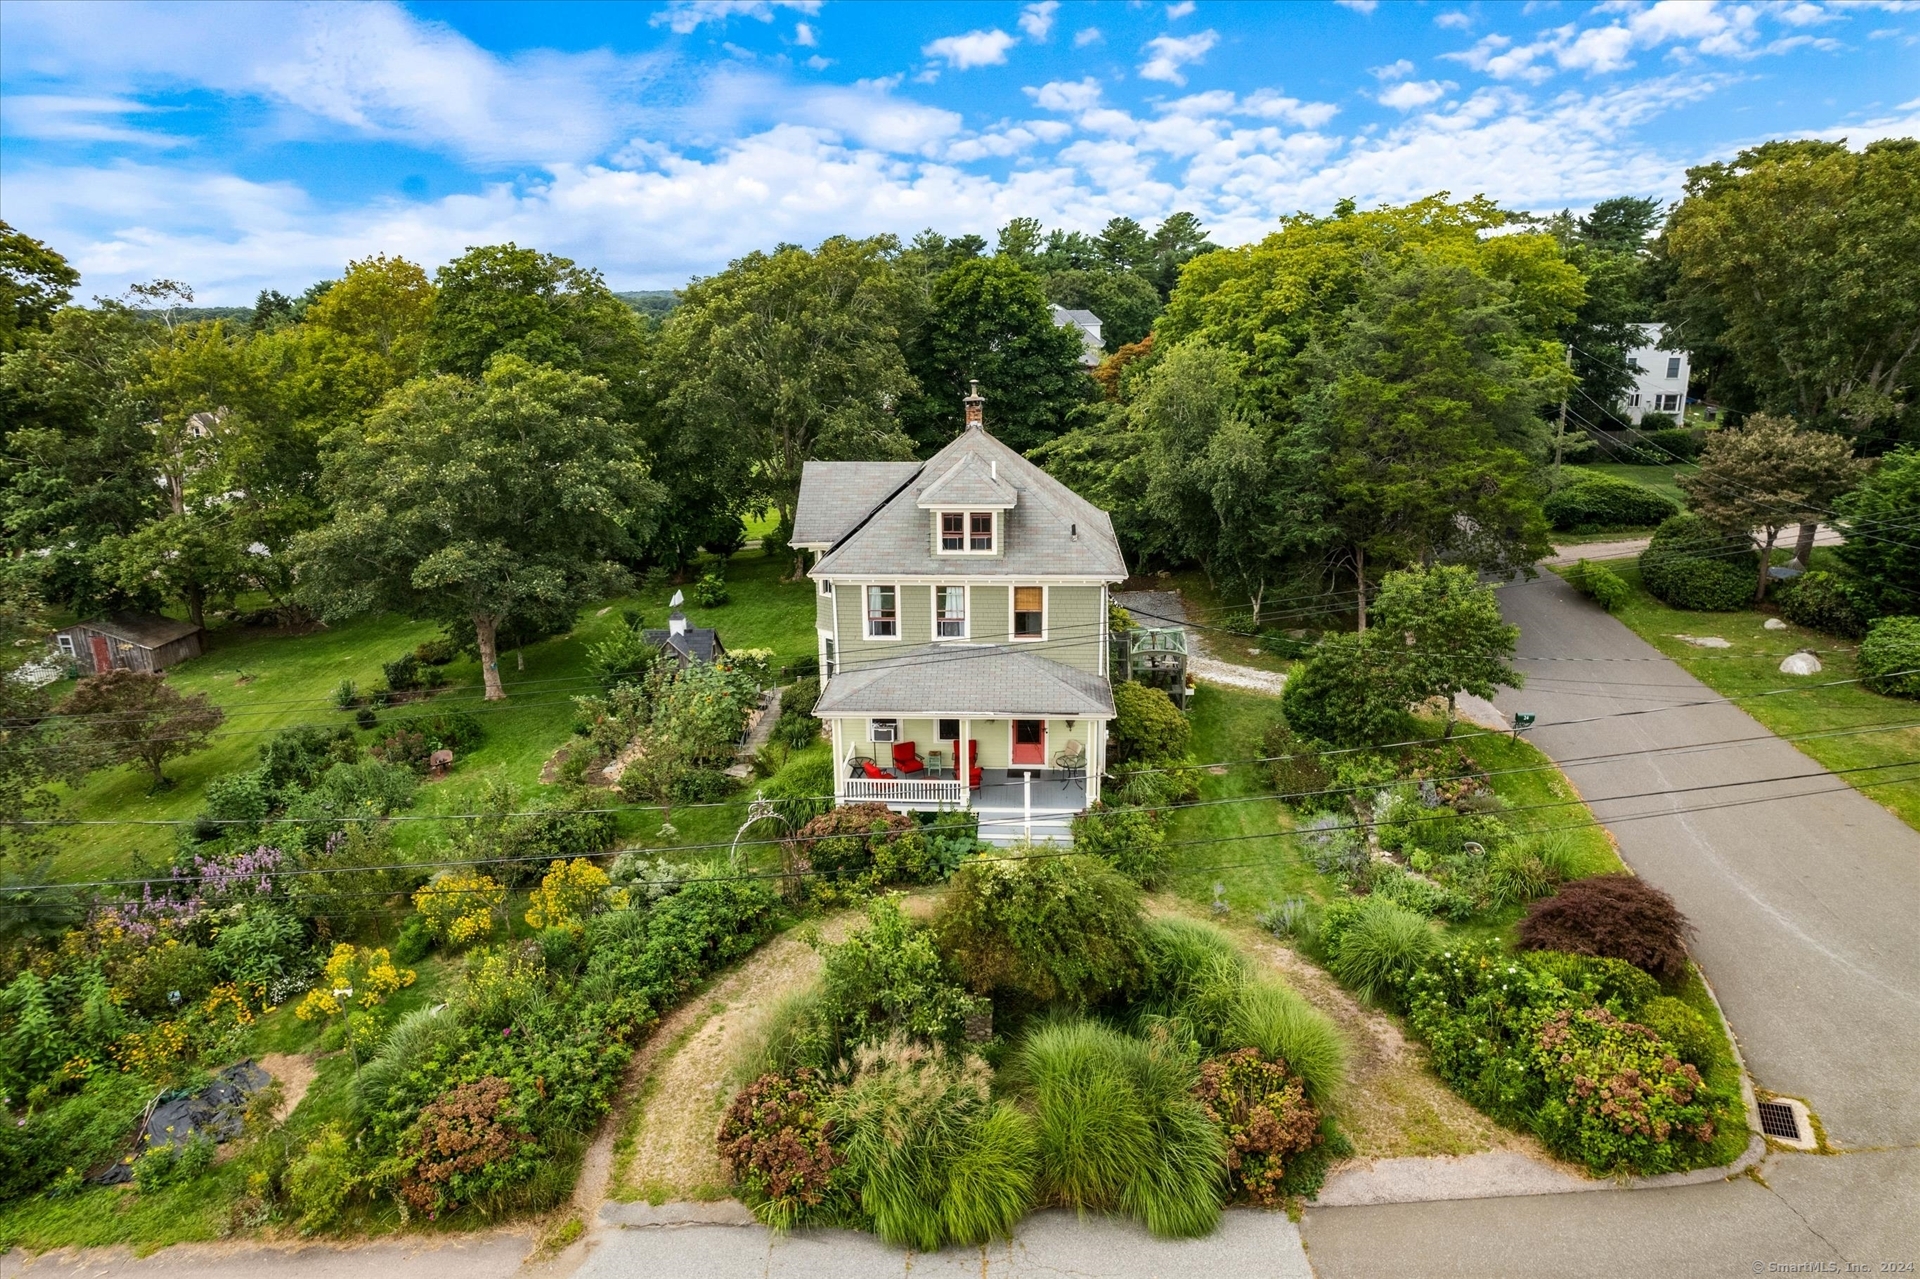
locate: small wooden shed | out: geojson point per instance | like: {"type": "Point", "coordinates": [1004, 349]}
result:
{"type": "Point", "coordinates": [130, 641]}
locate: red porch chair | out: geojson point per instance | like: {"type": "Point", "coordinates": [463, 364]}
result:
{"type": "Point", "coordinates": [973, 768]}
{"type": "Point", "coordinates": [906, 760]}
{"type": "Point", "coordinates": [874, 771]}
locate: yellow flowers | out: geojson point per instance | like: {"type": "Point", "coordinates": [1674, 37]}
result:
{"type": "Point", "coordinates": [570, 891]}
{"type": "Point", "coordinates": [459, 907]}
{"type": "Point", "coordinates": [355, 977]}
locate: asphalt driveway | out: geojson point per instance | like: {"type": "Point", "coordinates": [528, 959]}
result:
{"type": "Point", "coordinates": [1804, 894]}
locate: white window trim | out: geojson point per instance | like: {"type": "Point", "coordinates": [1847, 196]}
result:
{"type": "Point", "coordinates": [873, 731]}
{"type": "Point", "coordinates": [829, 655]}
{"type": "Point", "coordinates": [66, 645]}
{"type": "Point", "coordinates": [866, 613]}
{"type": "Point", "coordinates": [1046, 614]}
{"type": "Point", "coordinates": [826, 588]}
{"type": "Point", "coordinates": [966, 518]}
{"type": "Point", "coordinates": [1674, 366]}
{"type": "Point", "coordinates": [966, 612]}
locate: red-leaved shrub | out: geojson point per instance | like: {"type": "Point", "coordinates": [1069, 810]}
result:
{"type": "Point", "coordinates": [1613, 916]}
{"type": "Point", "coordinates": [461, 1135]}
{"type": "Point", "coordinates": [1263, 1112]}
{"type": "Point", "coordinates": [777, 1145]}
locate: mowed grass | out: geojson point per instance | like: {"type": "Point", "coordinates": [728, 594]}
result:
{"type": "Point", "coordinates": [1239, 838]}
{"type": "Point", "coordinates": [1662, 478]}
{"type": "Point", "coordinates": [1817, 704]}
{"type": "Point", "coordinates": [267, 682]}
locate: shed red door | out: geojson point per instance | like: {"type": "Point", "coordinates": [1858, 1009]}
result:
{"type": "Point", "coordinates": [102, 654]}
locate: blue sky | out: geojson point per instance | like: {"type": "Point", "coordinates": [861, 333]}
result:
{"type": "Point", "coordinates": [237, 147]}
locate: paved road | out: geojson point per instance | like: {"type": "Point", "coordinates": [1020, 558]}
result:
{"type": "Point", "coordinates": [1804, 906]}
{"type": "Point", "coordinates": [1622, 548]}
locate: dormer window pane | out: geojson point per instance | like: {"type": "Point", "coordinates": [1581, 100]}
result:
{"type": "Point", "coordinates": [882, 620]}
{"type": "Point", "coordinates": [982, 539]}
{"type": "Point", "coordinates": [953, 530]}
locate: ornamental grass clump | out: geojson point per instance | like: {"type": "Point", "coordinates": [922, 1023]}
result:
{"type": "Point", "coordinates": [1377, 953]}
{"type": "Point", "coordinates": [1614, 916]}
{"type": "Point", "coordinates": [1282, 1025]}
{"type": "Point", "coordinates": [1119, 1128]}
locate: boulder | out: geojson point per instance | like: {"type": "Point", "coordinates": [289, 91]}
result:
{"type": "Point", "coordinates": [1774, 624]}
{"type": "Point", "coordinates": [1801, 663]}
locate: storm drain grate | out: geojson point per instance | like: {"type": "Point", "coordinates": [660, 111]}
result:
{"type": "Point", "coordinates": [1777, 1120]}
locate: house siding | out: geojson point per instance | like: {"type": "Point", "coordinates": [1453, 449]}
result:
{"type": "Point", "coordinates": [822, 612]}
{"type": "Point", "coordinates": [990, 606]}
{"type": "Point", "coordinates": [1076, 632]}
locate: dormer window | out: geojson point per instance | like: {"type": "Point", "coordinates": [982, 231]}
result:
{"type": "Point", "coordinates": [966, 532]}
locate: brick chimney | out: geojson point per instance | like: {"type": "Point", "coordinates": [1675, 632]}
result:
{"type": "Point", "coordinates": [976, 410]}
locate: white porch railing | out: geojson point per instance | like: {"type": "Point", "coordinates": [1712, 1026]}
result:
{"type": "Point", "coordinates": [908, 790]}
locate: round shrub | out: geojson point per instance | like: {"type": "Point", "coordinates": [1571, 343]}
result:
{"type": "Point", "coordinates": [1263, 1112]}
{"type": "Point", "coordinates": [844, 841]}
{"type": "Point", "coordinates": [1595, 501]}
{"type": "Point", "coordinates": [1689, 564]}
{"type": "Point", "coordinates": [1693, 1037]}
{"type": "Point", "coordinates": [1046, 930]}
{"type": "Point", "coordinates": [1614, 983]}
{"type": "Point", "coordinates": [1890, 657]}
{"type": "Point", "coordinates": [1349, 693]}
{"type": "Point", "coordinates": [1132, 840]}
{"type": "Point", "coordinates": [466, 1146]}
{"type": "Point", "coordinates": [1600, 584]}
{"type": "Point", "coordinates": [777, 1144]}
{"type": "Point", "coordinates": [1377, 953]}
{"type": "Point", "coordinates": [1822, 601]}
{"type": "Point", "coordinates": [1147, 728]}
{"type": "Point", "coordinates": [800, 696]}
{"type": "Point", "coordinates": [1617, 1098]}
{"type": "Point", "coordinates": [1477, 1008]}
{"type": "Point", "coordinates": [1615, 916]}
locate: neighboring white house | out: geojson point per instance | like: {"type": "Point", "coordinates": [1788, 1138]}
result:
{"type": "Point", "coordinates": [963, 628]}
{"type": "Point", "coordinates": [1660, 383]}
{"type": "Point", "coordinates": [1094, 347]}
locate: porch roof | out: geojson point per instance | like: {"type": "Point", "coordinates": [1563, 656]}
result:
{"type": "Point", "coordinates": [985, 680]}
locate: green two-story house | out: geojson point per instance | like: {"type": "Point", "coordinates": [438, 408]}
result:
{"type": "Point", "coordinates": [962, 620]}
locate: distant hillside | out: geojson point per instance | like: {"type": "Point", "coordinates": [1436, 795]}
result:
{"type": "Point", "coordinates": [652, 303]}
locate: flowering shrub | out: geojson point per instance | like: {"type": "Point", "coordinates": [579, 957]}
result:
{"type": "Point", "coordinates": [459, 1140]}
{"type": "Point", "coordinates": [570, 892]}
{"type": "Point", "coordinates": [458, 907]}
{"type": "Point", "coordinates": [777, 1144]}
{"type": "Point", "coordinates": [1478, 1010]}
{"type": "Point", "coordinates": [1263, 1112]}
{"type": "Point", "coordinates": [354, 978]}
{"type": "Point", "coordinates": [1618, 1096]}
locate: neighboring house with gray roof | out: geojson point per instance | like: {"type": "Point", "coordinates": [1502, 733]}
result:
{"type": "Point", "coordinates": [962, 600]}
{"type": "Point", "coordinates": [1093, 345]}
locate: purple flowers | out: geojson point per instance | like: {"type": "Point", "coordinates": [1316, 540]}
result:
{"type": "Point", "coordinates": [188, 892]}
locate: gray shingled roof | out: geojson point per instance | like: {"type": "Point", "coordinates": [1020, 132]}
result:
{"type": "Point", "coordinates": [969, 482]}
{"type": "Point", "coordinates": [835, 496]}
{"type": "Point", "coordinates": [696, 642]}
{"type": "Point", "coordinates": [988, 680]}
{"type": "Point", "coordinates": [148, 630]}
{"type": "Point", "coordinates": [1053, 532]}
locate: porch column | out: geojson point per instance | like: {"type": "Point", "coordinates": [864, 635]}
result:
{"type": "Point", "coordinates": [962, 761]}
{"type": "Point", "coordinates": [1096, 758]}
{"type": "Point", "coordinates": [839, 764]}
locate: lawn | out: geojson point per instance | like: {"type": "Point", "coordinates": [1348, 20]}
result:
{"type": "Point", "coordinates": [1818, 705]}
{"type": "Point", "coordinates": [269, 681]}
{"type": "Point", "coordinates": [1661, 478]}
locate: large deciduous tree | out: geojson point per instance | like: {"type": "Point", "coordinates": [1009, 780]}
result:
{"type": "Point", "coordinates": [1427, 426]}
{"type": "Point", "coordinates": [988, 319]}
{"type": "Point", "coordinates": [1768, 475]}
{"type": "Point", "coordinates": [35, 281]}
{"type": "Point", "coordinates": [1801, 260]}
{"type": "Point", "coordinates": [789, 357]}
{"type": "Point", "coordinates": [1454, 638]}
{"type": "Point", "coordinates": [475, 501]}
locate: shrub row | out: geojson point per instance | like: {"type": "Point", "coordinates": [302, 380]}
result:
{"type": "Point", "coordinates": [1691, 565]}
{"type": "Point", "coordinates": [1594, 501]}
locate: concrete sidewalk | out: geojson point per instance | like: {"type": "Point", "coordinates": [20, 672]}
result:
{"type": "Point", "coordinates": [1802, 893]}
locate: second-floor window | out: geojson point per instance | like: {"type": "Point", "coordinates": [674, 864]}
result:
{"type": "Point", "coordinates": [1029, 612]}
{"type": "Point", "coordinates": [950, 612]}
{"type": "Point", "coordinates": [1673, 366]}
{"type": "Point", "coordinates": [883, 617]}
{"type": "Point", "coordinates": [966, 531]}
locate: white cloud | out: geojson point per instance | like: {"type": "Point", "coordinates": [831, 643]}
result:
{"type": "Point", "coordinates": [1455, 19]}
{"type": "Point", "coordinates": [819, 63]}
{"type": "Point", "coordinates": [1269, 105]}
{"type": "Point", "coordinates": [685, 16]}
{"type": "Point", "coordinates": [1037, 19]}
{"type": "Point", "coordinates": [1393, 70]}
{"type": "Point", "coordinates": [1175, 12]}
{"type": "Point", "coordinates": [1170, 53]}
{"type": "Point", "coordinates": [1359, 6]}
{"type": "Point", "coordinates": [50, 117]}
{"type": "Point", "coordinates": [1086, 36]}
{"type": "Point", "coordinates": [1066, 95]}
{"type": "Point", "coordinates": [805, 36]}
{"type": "Point", "coordinates": [1804, 15]}
{"type": "Point", "coordinates": [974, 49]}
{"type": "Point", "coordinates": [1690, 29]}
{"type": "Point", "coordinates": [1414, 93]}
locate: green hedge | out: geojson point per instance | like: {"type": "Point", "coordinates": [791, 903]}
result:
{"type": "Point", "coordinates": [1691, 565]}
{"type": "Point", "coordinates": [1822, 601]}
{"type": "Point", "coordinates": [1890, 657]}
{"type": "Point", "coordinates": [1594, 500]}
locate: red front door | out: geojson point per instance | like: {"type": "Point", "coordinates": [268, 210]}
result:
{"type": "Point", "coordinates": [1030, 741]}
{"type": "Point", "coordinates": [102, 654]}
